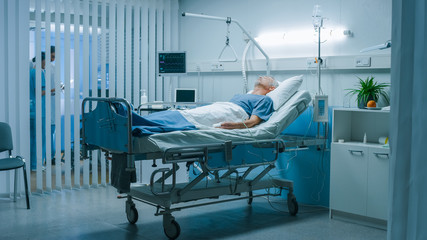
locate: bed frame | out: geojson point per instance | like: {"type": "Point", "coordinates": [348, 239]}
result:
{"type": "Point", "coordinates": [226, 167]}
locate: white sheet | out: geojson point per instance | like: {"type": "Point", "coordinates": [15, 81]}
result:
{"type": "Point", "coordinates": [270, 129]}
{"type": "Point", "coordinates": [205, 117]}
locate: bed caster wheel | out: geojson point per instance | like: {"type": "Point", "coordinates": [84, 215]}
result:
{"type": "Point", "coordinates": [132, 215]}
{"type": "Point", "coordinates": [173, 230]}
{"type": "Point", "coordinates": [292, 205]}
{"type": "Point", "coordinates": [250, 199]}
{"type": "Point", "coordinates": [131, 212]}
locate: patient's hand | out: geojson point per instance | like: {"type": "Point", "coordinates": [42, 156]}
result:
{"type": "Point", "coordinates": [248, 123]}
{"type": "Point", "coordinates": [231, 125]}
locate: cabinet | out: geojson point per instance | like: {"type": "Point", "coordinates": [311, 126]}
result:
{"type": "Point", "coordinates": [359, 171]}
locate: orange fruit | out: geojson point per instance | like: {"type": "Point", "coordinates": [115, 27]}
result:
{"type": "Point", "coordinates": [372, 103]}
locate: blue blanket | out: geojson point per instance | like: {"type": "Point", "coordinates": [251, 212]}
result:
{"type": "Point", "coordinates": [159, 122]}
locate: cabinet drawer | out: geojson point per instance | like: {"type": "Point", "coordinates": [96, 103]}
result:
{"type": "Point", "coordinates": [348, 178]}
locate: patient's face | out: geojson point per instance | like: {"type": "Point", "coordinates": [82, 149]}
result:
{"type": "Point", "coordinates": [263, 86]}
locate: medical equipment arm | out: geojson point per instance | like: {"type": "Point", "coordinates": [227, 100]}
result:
{"type": "Point", "coordinates": [228, 19]}
{"type": "Point", "coordinates": [383, 46]}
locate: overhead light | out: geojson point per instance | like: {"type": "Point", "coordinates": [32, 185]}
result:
{"type": "Point", "coordinates": [304, 36]}
{"type": "Point", "coordinates": [271, 38]}
{"type": "Point", "coordinates": [284, 38]}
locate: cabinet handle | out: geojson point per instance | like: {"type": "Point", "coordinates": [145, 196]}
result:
{"type": "Point", "coordinates": [354, 152]}
{"type": "Point", "coordinates": [382, 155]}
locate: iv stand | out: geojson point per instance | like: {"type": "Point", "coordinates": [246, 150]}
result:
{"type": "Point", "coordinates": [320, 101]}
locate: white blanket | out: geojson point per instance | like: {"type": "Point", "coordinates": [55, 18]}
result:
{"type": "Point", "coordinates": [207, 116]}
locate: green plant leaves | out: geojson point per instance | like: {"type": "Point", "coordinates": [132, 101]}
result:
{"type": "Point", "coordinates": [368, 88]}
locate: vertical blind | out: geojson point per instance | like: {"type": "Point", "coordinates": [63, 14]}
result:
{"type": "Point", "coordinates": [14, 87]}
{"type": "Point", "coordinates": [103, 48]}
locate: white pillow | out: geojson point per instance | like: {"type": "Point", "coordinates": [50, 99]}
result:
{"type": "Point", "coordinates": [284, 91]}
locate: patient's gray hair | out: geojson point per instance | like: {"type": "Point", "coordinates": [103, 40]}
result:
{"type": "Point", "coordinates": [271, 80]}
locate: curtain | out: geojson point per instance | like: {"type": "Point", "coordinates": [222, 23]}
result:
{"type": "Point", "coordinates": [14, 87]}
{"type": "Point", "coordinates": [408, 166]}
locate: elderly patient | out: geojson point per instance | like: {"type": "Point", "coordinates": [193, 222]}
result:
{"type": "Point", "coordinates": [242, 111]}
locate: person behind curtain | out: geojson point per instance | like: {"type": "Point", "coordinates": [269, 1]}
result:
{"type": "Point", "coordinates": [33, 110]}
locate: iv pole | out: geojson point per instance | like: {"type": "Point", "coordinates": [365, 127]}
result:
{"type": "Point", "coordinates": [318, 24]}
{"type": "Point", "coordinates": [320, 104]}
{"type": "Point", "coordinates": [228, 19]}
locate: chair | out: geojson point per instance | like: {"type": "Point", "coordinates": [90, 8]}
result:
{"type": "Point", "coordinates": [10, 163]}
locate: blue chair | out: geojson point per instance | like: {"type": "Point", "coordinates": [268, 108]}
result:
{"type": "Point", "coordinates": [10, 163]}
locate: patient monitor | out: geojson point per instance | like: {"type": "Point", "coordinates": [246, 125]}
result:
{"type": "Point", "coordinates": [187, 95]}
{"type": "Point", "coordinates": [171, 63]}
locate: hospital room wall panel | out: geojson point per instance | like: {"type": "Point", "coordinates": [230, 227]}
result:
{"type": "Point", "coordinates": [285, 17]}
{"type": "Point", "coordinates": [221, 86]}
{"type": "Point", "coordinates": [204, 39]}
{"type": "Point", "coordinates": [342, 63]}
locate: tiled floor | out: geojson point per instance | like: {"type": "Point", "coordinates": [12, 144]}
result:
{"type": "Point", "coordinates": [98, 214]}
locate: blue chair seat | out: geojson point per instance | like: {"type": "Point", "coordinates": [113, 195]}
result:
{"type": "Point", "coordinates": [10, 163]}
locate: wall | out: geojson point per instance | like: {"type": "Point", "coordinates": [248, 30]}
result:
{"type": "Point", "coordinates": [370, 22]}
{"type": "Point", "coordinates": [204, 39]}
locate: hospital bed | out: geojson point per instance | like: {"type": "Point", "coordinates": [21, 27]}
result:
{"type": "Point", "coordinates": [235, 162]}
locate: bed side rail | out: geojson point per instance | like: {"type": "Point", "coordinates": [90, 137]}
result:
{"type": "Point", "coordinates": [295, 142]}
{"type": "Point", "coordinates": [103, 127]}
{"type": "Point", "coordinates": [226, 154]}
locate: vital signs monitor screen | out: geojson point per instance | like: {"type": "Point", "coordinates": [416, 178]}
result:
{"type": "Point", "coordinates": [171, 63]}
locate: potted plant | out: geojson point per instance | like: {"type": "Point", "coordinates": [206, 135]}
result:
{"type": "Point", "coordinates": [369, 90]}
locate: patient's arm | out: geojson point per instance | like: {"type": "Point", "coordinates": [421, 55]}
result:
{"type": "Point", "coordinates": [251, 122]}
